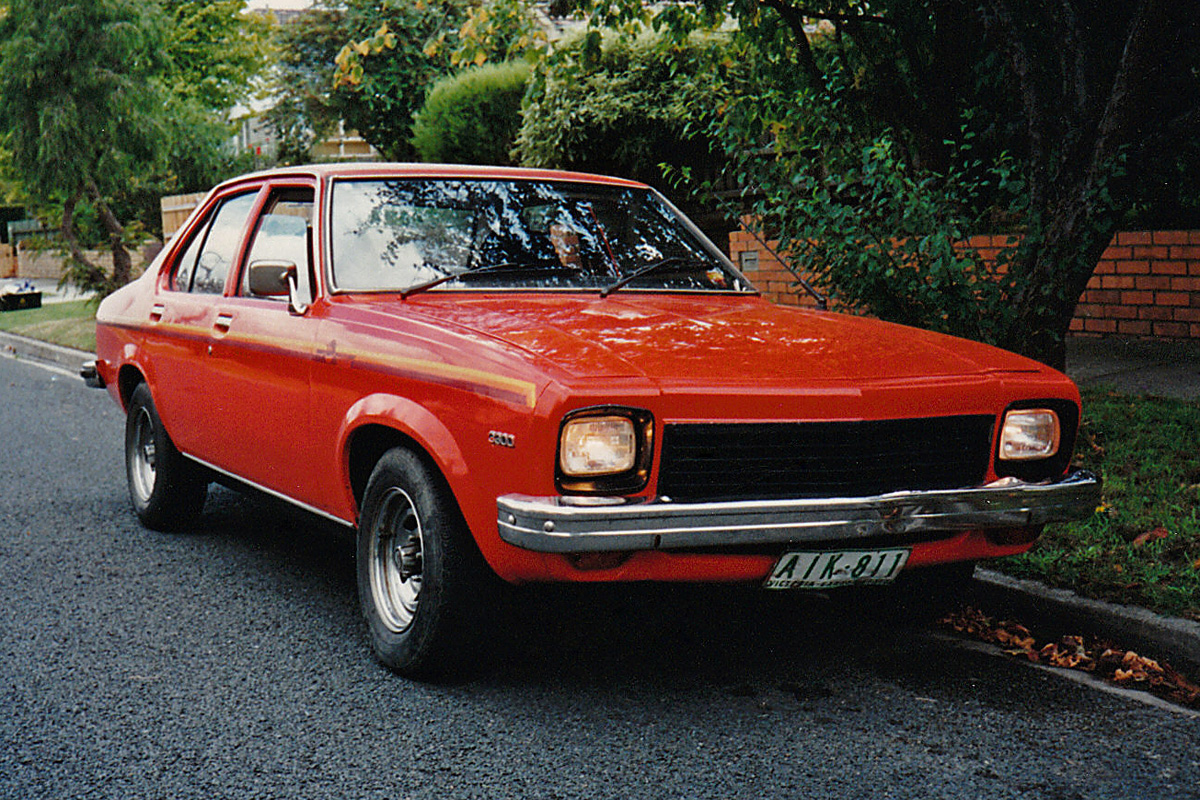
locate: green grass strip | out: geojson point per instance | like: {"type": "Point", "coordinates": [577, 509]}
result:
{"type": "Point", "coordinates": [1143, 544]}
{"type": "Point", "coordinates": [70, 324]}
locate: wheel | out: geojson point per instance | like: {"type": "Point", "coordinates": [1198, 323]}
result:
{"type": "Point", "coordinates": [166, 489]}
{"type": "Point", "coordinates": [421, 580]}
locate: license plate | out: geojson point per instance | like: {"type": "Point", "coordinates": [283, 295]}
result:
{"type": "Point", "coordinates": [815, 570]}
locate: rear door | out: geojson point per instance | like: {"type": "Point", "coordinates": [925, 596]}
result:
{"type": "Point", "coordinates": [182, 319]}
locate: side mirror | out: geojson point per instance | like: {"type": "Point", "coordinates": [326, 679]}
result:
{"type": "Point", "coordinates": [270, 278]}
{"type": "Point", "coordinates": [277, 279]}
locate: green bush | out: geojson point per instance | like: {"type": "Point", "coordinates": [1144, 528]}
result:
{"type": "Point", "coordinates": [472, 117]}
{"type": "Point", "coordinates": [625, 107]}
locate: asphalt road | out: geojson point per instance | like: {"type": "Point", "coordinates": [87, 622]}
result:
{"type": "Point", "coordinates": [229, 662]}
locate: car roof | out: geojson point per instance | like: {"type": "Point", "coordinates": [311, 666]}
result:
{"type": "Point", "coordinates": [375, 169]}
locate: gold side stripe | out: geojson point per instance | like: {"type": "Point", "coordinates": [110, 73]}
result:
{"type": "Point", "coordinates": [525, 390]}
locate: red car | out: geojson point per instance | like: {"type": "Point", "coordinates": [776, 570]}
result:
{"type": "Point", "coordinates": [548, 376]}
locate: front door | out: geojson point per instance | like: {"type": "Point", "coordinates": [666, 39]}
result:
{"type": "Point", "coordinates": [261, 352]}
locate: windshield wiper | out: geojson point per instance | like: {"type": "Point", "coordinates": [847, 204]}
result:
{"type": "Point", "coordinates": [646, 270]}
{"type": "Point", "coordinates": [420, 287]}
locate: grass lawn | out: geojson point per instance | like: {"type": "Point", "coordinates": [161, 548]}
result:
{"type": "Point", "coordinates": [71, 324]}
{"type": "Point", "coordinates": [1143, 545]}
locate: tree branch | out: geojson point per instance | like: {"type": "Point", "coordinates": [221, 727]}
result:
{"type": "Point", "coordinates": [122, 263]}
{"type": "Point", "coordinates": [998, 18]}
{"type": "Point", "coordinates": [1141, 47]}
{"type": "Point", "coordinates": [795, 22]}
{"type": "Point", "coordinates": [1075, 79]}
{"type": "Point", "coordinates": [116, 231]}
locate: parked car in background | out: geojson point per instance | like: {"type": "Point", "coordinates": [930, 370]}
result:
{"type": "Point", "coordinates": [544, 376]}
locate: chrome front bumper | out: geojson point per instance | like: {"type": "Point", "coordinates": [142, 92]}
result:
{"type": "Point", "coordinates": [574, 525]}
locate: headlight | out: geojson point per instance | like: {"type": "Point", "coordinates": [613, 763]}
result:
{"type": "Point", "coordinates": [597, 446]}
{"type": "Point", "coordinates": [1029, 434]}
{"type": "Point", "coordinates": [605, 450]}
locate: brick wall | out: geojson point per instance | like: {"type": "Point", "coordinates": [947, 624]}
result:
{"type": "Point", "coordinates": [48, 264]}
{"type": "Point", "coordinates": [1147, 283]}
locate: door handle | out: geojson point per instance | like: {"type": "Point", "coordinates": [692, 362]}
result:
{"type": "Point", "coordinates": [156, 312]}
{"type": "Point", "coordinates": [223, 322]}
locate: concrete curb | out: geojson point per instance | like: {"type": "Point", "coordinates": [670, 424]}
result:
{"type": "Point", "coordinates": [1052, 612]}
{"type": "Point", "coordinates": [67, 358]}
{"type": "Point", "coordinates": [1055, 612]}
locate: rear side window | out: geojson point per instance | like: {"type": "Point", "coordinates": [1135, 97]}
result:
{"type": "Point", "coordinates": [210, 253]}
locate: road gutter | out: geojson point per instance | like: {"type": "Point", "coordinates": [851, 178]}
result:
{"type": "Point", "coordinates": [1056, 612]}
{"type": "Point", "coordinates": [23, 347]}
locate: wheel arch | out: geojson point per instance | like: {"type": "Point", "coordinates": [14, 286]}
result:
{"type": "Point", "coordinates": [128, 378]}
{"type": "Point", "coordinates": [378, 423]}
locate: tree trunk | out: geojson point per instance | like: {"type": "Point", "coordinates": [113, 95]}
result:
{"type": "Point", "coordinates": [122, 262]}
{"type": "Point", "coordinates": [1052, 270]}
{"type": "Point", "coordinates": [1072, 208]}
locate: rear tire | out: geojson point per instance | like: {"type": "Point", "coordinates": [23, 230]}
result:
{"type": "Point", "coordinates": [167, 491]}
{"type": "Point", "coordinates": [421, 581]}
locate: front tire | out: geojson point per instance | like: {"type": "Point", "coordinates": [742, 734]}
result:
{"type": "Point", "coordinates": [167, 490]}
{"type": "Point", "coordinates": [420, 576]}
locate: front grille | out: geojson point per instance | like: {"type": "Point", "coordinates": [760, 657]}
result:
{"type": "Point", "coordinates": [776, 460]}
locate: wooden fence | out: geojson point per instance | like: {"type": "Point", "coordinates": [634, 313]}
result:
{"type": "Point", "coordinates": [175, 210]}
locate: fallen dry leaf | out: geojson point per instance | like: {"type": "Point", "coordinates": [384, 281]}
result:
{"type": "Point", "coordinates": [1121, 666]}
{"type": "Point", "coordinates": [1150, 536]}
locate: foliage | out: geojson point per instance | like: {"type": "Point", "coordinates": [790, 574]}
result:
{"type": "Point", "coordinates": [81, 96]}
{"type": "Point", "coordinates": [383, 72]}
{"type": "Point", "coordinates": [625, 105]}
{"type": "Point", "coordinates": [97, 132]}
{"type": "Point", "coordinates": [851, 213]}
{"type": "Point", "coordinates": [1143, 544]}
{"type": "Point", "coordinates": [493, 30]}
{"type": "Point", "coordinates": [472, 117]}
{"type": "Point", "coordinates": [215, 51]}
{"type": "Point", "coordinates": [79, 87]}
{"type": "Point", "coordinates": [304, 112]}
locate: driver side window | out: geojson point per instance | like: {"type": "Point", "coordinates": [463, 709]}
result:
{"type": "Point", "coordinates": [283, 234]}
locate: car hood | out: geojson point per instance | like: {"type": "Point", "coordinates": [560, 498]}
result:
{"type": "Point", "coordinates": [717, 339]}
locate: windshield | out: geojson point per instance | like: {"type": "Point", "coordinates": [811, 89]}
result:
{"type": "Point", "coordinates": [394, 235]}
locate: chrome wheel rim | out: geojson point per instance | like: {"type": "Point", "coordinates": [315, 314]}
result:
{"type": "Point", "coordinates": [143, 455]}
{"type": "Point", "coordinates": [397, 560]}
